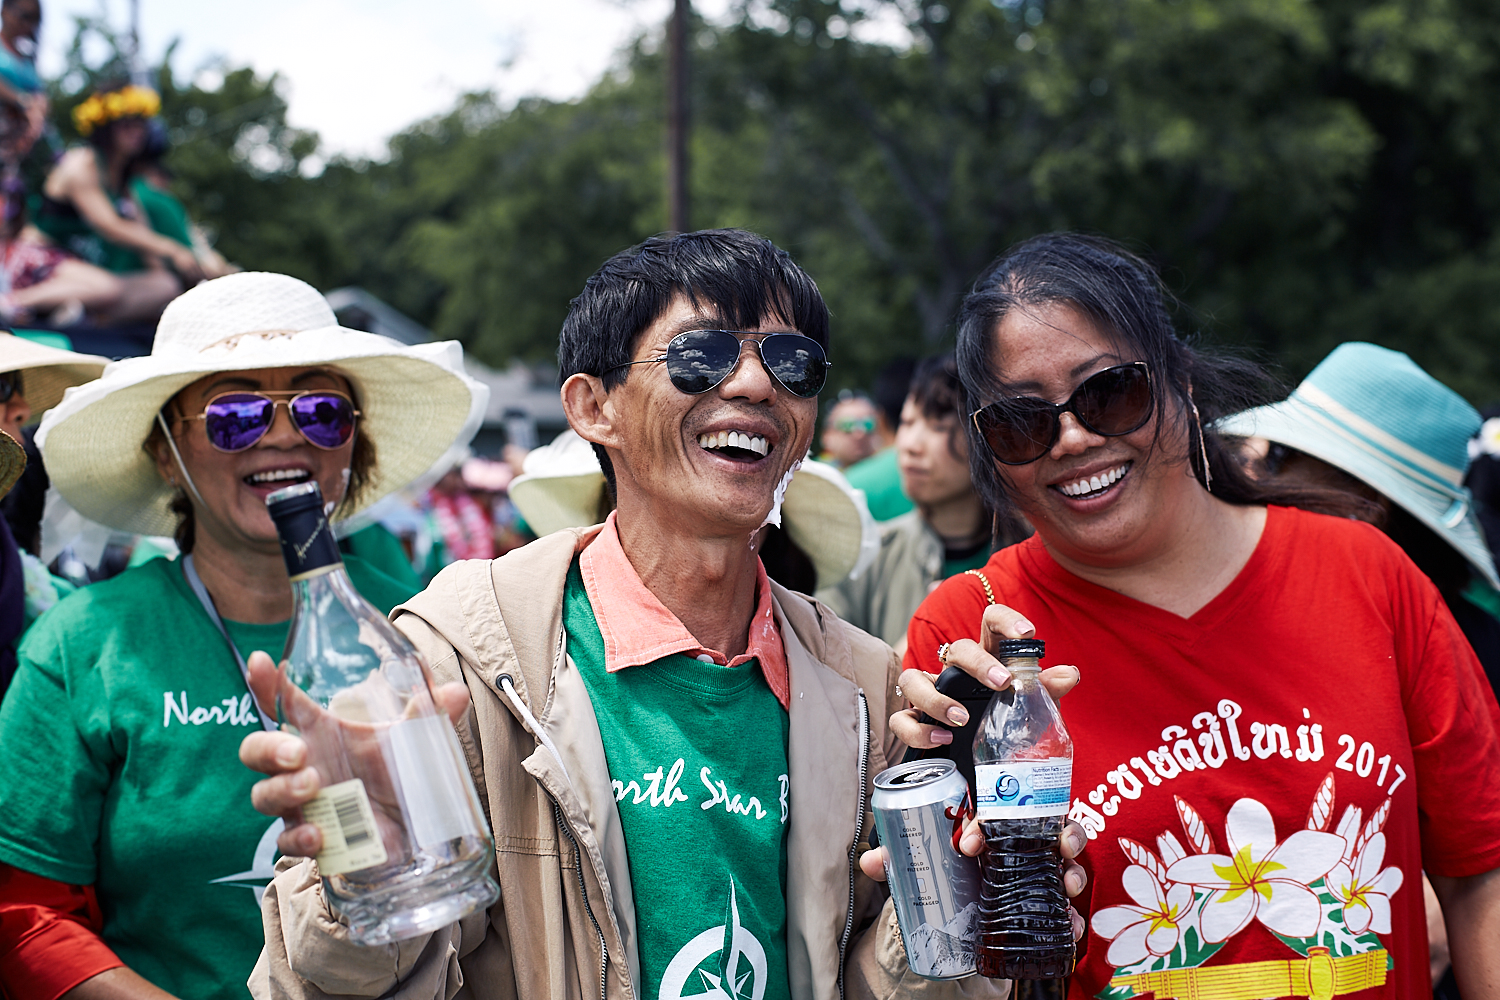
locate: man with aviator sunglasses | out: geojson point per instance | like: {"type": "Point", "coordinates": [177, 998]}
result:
{"type": "Point", "coordinates": [677, 752]}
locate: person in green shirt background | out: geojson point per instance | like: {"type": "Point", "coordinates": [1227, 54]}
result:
{"type": "Point", "coordinates": [151, 187]}
{"type": "Point", "coordinates": [853, 430]}
{"type": "Point", "coordinates": [134, 686]}
{"type": "Point", "coordinates": [878, 475]}
{"type": "Point", "coordinates": [33, 377]}
{"type": "Point", "coordinates": [949, 530]}
{"type": "Point", "coordinates": [86, 207]}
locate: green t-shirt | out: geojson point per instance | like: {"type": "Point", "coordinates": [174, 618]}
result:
{"type": "Point", "coordinates": [164, 213]}
{"type": "Point", "coordinates": [880, 477]}
{"type": "Point", "coordinates": [953, 565]}
{"type": "Point", "coordinates": [697, 754]}
{"type": "Point", "coordinates": [379, 546]}
{"type": "Point", "coordinates": [120, 737]}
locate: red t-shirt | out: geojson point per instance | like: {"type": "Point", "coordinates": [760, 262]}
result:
{"type": "Point", "coordinates": [1267, 777]}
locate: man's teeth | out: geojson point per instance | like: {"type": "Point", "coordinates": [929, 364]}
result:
{"type": "Point", "coordinates": [1094, 483]}
{"type": "Point", "coordinates": [734, 439]}
{"type": "Point", "coordinates": [276, 475]}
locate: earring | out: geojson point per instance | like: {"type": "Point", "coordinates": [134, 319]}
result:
{"type": "Point", "coordinates": [1208, 477]}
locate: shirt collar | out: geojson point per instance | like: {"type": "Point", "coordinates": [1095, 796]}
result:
{"type": "Point", "coordinates": [638, 629]}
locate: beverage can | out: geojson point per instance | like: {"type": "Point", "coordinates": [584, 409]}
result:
{"type": "Point", "coordinates": [920, 809]}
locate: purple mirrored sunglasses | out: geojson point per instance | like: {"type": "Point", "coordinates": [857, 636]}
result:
{"type": "Point", "coordinates": [237, 420]}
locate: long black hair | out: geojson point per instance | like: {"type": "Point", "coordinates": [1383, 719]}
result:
{"type": "Point", "coordinates": [1125, 298]}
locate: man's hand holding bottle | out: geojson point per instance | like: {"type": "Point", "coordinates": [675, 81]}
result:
{"type": "Point", "coordinates": [292, 781]}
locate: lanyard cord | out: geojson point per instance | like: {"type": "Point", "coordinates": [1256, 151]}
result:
{"type": "Point", "coordinates": [196, 583]}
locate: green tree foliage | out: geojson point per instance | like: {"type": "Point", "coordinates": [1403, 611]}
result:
{"type": "Point", "coordinates": [518, 208]}
{"type": "Point", "coordinates": [1303, 171]}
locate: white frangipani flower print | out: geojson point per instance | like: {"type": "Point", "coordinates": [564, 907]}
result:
{"type": "Point", "coordinates": [1150, 927]}
{"type": "Point", "coordinates": [1261, 879]}
{"type": "Point", "coordinates": [1364, 889]}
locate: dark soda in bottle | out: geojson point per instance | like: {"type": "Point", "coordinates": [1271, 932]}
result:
{"type": "Point", "coordinates": [1023, 765]}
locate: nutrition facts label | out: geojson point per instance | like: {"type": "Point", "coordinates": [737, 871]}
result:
{"type": "Point", "coordinates": [1023, 788]}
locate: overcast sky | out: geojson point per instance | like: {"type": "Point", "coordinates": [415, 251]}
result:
{"type": "Point", "coordinates": [359, 71]}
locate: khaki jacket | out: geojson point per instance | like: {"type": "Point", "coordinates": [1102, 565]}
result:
{"type": "Point", "coordinates": [565, 925]}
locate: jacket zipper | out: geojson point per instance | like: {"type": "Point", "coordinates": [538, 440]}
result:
{"type": "Point", "coordinates": [567, 831]}
{"type": "Point", "coordinates": [859, 828]}
{"type": "Point", "coordinates": [506, 687]}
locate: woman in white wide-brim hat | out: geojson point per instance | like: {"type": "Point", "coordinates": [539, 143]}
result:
{"type": "Point", "coordinates": [136, 685]}
{"type": "Point", "coordinates": [33, 378]}
{"type": "Point", "coordinates": [40, 374]}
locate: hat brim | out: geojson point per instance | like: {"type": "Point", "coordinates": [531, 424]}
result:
{"type": "Point", "coordinates": [830, 521]}
{"type": "Point", "coordinates": [415, 403]}
{"type": "Point", "coordinates": [552, 503]}
{"type": "Point", "coordinates": [12, 462]}
{"type": "Point", "coordinates": [823, 514]}
{"type": "Point", "coordinates": [48, 372]}
{"type": "Point", "coordinates": [1298, 425]}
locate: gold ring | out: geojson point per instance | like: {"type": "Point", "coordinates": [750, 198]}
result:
{"type": "Point", "coordinates": [943, 653]}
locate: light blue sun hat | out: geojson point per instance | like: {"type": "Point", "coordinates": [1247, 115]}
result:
{"type": "Point", "coordinates": [1375, 414]}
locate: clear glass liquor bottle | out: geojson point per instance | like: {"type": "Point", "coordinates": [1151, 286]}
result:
{"type": "Point", "coordinates": [1023, 764]}
{"type": "Point", "coordinates": [406, 849]}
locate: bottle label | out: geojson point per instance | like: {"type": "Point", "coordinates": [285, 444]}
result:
{"type": "Point", "coordinates": [351, 840]}
{"type": "Point", "coordinates": [431, 768]}
{"type": "Point", "coordinates": [1020, 789]}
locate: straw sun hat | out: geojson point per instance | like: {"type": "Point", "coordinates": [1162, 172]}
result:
{"type": "Point", "coordinates": [47, 371]}
{"type": "Point", "coordinates": [12, 462]}
{"type": "Point", "coordinates": [415, 401]}
{"type": "Point", "coordinates": [563, 487]}
{"type": "Point", "coordinates": [1376, 415]}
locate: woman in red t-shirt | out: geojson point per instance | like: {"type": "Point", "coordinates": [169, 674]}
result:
{"type": "Point", "coordinates": [1278, 724]}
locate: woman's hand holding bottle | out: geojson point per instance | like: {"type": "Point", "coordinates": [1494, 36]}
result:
{"type": "Point", "coordinates": [921, 695]}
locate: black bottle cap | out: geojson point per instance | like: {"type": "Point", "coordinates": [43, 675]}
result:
{"type": "Point", "coordinates": [307, 542]}
{"type": "Point", "coordinates": [1011, 649]}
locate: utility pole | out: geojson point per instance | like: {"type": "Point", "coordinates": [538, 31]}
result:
{"type": "Point", "coordinates": [677, 118]}
{"type": "Point", "coordinates": [137, 70]}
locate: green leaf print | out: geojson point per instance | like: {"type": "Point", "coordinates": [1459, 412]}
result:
{"type": "Point", "coordinates": [1191, 952]}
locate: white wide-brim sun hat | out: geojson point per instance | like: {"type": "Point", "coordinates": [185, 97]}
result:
{"type": "Point", "coordinates": [415, 401]}
{"type": "Point", "coordinates": [1375, 414]}
{"type": "Point", "coordinates": [46, 372]}
{"type": "Point", "coordinates": [562, 486]}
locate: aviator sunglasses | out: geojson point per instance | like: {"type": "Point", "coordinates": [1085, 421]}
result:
{"type": "Point", "coordinates": [699, 360]}
{"type": "Point", "coordinates": [237, 420]}
{"type": "Point", "coordinates": [1110, 403]}
{"type": "Point", "coordinates": [855, 425]}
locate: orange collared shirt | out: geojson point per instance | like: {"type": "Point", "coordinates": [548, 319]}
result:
{"type": "Point", "coordinates": [638, 629]}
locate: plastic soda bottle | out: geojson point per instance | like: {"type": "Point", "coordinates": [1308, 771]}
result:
{"type": "Point", "coordinates": [1023, 765]}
